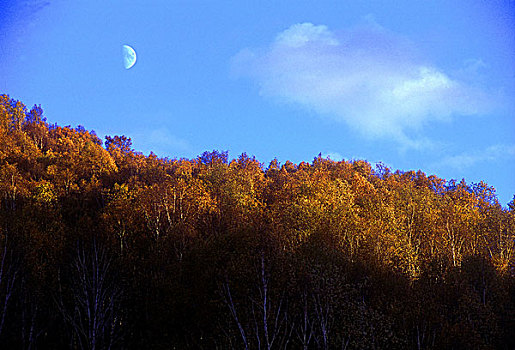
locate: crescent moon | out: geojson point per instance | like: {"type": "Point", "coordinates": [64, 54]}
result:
{"type": "Point", "coordinates": [129, 56]}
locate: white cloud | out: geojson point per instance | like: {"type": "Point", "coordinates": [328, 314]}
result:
{"type": "Point", "coordinates": [163, 137]}
{"type": "Point", "coordinates": [333, 156]}
{"type": "Point", "coordinates": [367, 77]}
{"type": "Point", "coordinates": [160, 141]}
{"type": "Point", "coordinates": [299, 35]}
{"type": "Point", "coordinates": [490, 154]}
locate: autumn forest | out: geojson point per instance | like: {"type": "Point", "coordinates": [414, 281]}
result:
{"type": "Point", "coordinates": [102, 247]}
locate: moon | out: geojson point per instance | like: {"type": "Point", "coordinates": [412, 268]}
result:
{"type": "Point", "coordinates": [129, 56]}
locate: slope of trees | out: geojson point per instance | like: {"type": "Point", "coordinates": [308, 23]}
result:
{"type": "Point", "coordinates": [102, 247]}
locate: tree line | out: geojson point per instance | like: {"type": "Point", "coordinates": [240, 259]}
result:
{"type": "Point", "coordinates": [102, 247]}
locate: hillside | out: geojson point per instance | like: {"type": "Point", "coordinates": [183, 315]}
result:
{"type": "Point", "coordinates": [102, 247]}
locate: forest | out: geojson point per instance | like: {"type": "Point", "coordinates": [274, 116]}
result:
{"type": "Point", "coordinates": [102, 247]}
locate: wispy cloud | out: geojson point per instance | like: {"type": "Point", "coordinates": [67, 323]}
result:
{"type": "Point", "coordinates": [160, 141]}
{"type": "Point", "coordinates": [18, 11]}
{"type": "Point", "coordinates": [490, 154]}
{"type": "Point", "coordinates": [367, 77]}
{"type": "Point", "coordinates": [337, 157]}
{"type": "Point", "coordinates": [333, 156]}
{"type": "Point", "coordinates": [164, 137]}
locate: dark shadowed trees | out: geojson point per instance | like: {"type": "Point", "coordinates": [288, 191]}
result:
{"type": "Point", "coordinates": [106, 248]}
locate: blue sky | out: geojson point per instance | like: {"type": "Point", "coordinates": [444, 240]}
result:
{"type": "Point", "coordinates": [424, 85]}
